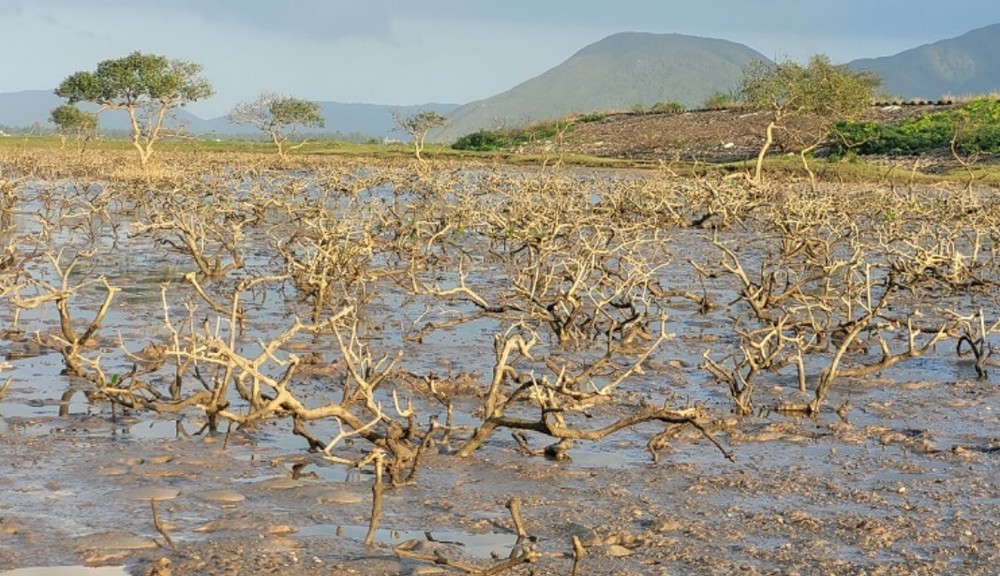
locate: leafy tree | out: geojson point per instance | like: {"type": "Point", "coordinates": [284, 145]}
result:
{"type": "Point", "coordinates": [820, 93]}
{"type": "Point", "coordinates": [279, 117]}
{"type": "Point", "coordinates": [418, 125]}
{"type": "Point", "coordinates": [146, 86]}
{"type": "Point", "coordinates": [71, 121]}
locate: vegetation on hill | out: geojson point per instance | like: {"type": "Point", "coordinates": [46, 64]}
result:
{"type": "Point", "coordinates": [974, 128]}
{"type": "Point", "coordinates": [732, 137]}
{"type": "Point", "coordinates": [629, 71]}
{"type": "Point", "coordinates": [490, 140]}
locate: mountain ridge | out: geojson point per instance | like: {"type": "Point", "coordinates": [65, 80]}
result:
{"type": "Point", "coordinates": [963, 65]}
{"type": "Point", "coordinates": [622, 71]}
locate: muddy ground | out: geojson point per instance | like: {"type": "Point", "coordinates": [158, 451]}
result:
{"type": "Point", "coordinates": [896, 475]}
{"type": "Point", "coordinates": [903, 483]}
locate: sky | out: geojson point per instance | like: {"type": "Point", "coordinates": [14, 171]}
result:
{"type": "Point", "coordinates": [411, 52]}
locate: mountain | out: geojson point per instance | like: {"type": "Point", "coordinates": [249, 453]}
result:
{"type": "Point", "coordinates": [616, 73]}
{"type": "Point", "coordinates": [357, 121]}
{"type": "Point", "coordinates": [30, 109]}
{"type": "Point", "coordinates": [373, 119]}
{"type": "Point", "coordinates": [25, 110]}
{"type": "Point", "coordinates": [20, 110]}
{"type": "Point", "coordinates": [966, 65]}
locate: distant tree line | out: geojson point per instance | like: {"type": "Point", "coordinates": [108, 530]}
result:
{"type": "Point", "coordinates": [826, 100]}
{"type": "Point", "coordinates": [150, 88]}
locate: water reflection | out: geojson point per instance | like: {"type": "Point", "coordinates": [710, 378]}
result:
{"type": "Point", "coordinates": [68, 571]}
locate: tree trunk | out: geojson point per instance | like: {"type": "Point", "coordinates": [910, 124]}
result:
{"type": "Point", "coordinates": [805, 164]}
{"type": "Point", "coordinates": [279, 142]}
{"type": "Point", "coordinates": [144, 153]}
{"type": "Point", "coordinates": [418, 144]}
{"type": "Point", "coordinates": [768, 140]}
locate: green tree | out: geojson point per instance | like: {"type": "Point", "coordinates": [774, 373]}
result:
{"type": "Point", "coordinates": [146, 86]}
{"type": "Point", "coordinates": [279, 117]}
{"type": "Point", "coordinates": [71, 121]}
{"type": "Point", "coordinates": [418, 125]}
{"type": "Point", "coordinates": [820, 93]}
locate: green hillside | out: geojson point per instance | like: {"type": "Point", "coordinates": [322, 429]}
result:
{"type": "Point", "coordinates": [616, 73]}
{"type": "Point", "coordinates": [966, 65]}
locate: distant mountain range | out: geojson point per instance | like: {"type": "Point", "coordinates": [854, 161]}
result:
{"type": "Point", "coordinates": [24, 110]}
{"type": "Point", "coordinates": [620, 72]}
{"type": "Point", "coordinates": [617, 73]}
{"type": "Point", "coordinates": [628, 69]}
{"type": "Point", "coordinates": [962, 66]}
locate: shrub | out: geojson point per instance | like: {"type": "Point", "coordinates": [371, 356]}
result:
{"type": "Point", "coordinates": [487, 140]}
{"type": "Point", "coordinates": [539, 132]}
{"type": "Point", "coordinates": [482, 141]}
{"type": "Point", "coordinates": [670, 106]}
{"type": "Point", "coordinates": [592, 117]}
{"type": "Point", "coordinates": [975, 127]}
{"type": "Point", "coordinates": [719, 100]}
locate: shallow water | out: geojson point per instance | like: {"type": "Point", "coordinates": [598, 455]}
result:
{"type": "Point", "coordinates": [67, 571]}
{"type": "Point", "coordinates": [906, 473]}
{"type": "Point", "coordinates": [470, 545]}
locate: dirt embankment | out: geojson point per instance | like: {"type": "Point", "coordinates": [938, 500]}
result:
{"type": "Point", "coordinates": [704, 135]}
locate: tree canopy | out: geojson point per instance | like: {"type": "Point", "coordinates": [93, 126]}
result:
{"type": "Point", "coordinates": [279, 117]}
{"type": "Point", "coordinates": [71, 121]}
{"type": "Point", "coordinates": [417, 125]}
{"type": "Point", "coordinates": [146, 86]}
{"type": "Point", "coordinates": [827, 93]}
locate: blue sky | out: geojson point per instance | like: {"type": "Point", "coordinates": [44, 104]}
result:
{"type": "Point", "coordinates": [403, 52]}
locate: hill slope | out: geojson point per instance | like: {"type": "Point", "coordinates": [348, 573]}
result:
{"type": "Point", "coordinates": [729, 135]}
{"type": "Point", "coordinates": [617, 72]}
{"type": "Point", "coordinates": [968, 64]}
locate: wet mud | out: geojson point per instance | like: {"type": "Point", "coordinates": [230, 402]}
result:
{"type": "Point", "coordinates": [896, 474]}
{"type": "Point", "coordinates": [905, 482]}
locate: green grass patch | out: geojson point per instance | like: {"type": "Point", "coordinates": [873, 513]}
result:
{"type": "Point", "coordinates": [974, 127]}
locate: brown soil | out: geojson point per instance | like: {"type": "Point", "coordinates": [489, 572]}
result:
{"type": "Point", "coordinates": [729, 135]}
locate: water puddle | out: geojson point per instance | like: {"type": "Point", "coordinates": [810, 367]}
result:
{"type": "Point", "coordinates": [68, 571]}
{"type": "Point", "coordinates": [916, 442]}
{"type": "Point", "coordinates": [615, 457]}
{"type": "Point", "coordinates": [486, 545]}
